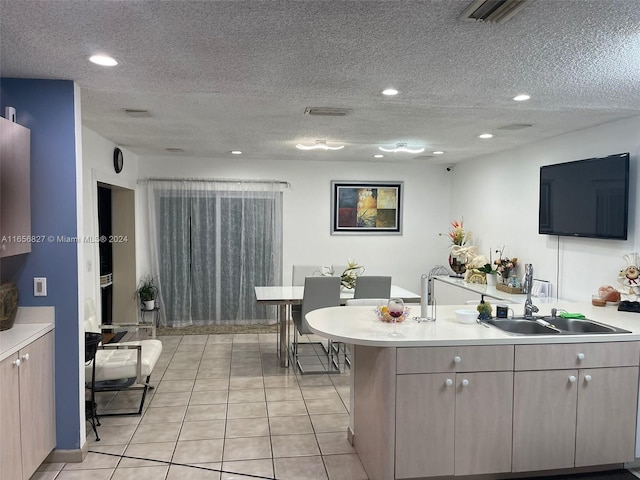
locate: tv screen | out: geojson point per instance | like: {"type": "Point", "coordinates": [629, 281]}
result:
{"type": "Point", "coordinates": [585, 198]}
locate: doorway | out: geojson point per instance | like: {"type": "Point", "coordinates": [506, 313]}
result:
{"type": "Point", "coordinates": [117, 256]}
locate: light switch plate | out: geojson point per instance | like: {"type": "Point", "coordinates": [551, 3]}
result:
{"type": "Point", "coordinates": [39, 287]}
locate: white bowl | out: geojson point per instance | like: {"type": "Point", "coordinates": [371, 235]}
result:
{"type": "Point", "coordinates": [466, 316]}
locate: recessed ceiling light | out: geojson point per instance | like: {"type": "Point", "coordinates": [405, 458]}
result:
{"type": "Point", "coordinates": [521, 98]}
{"type": "Point", "coordinates": [103, 60]}
{"type": "Point", "coordinates": [236, 152]}
{"type": "Point", "coordinates": [401, 147]}
{"type": "Point", "coordinates": [438, 152]}
{"type": "Point", "coordinates": [378, 155]}
{"type": "Point", "coordinates": [390, 92]}
{"type": "Point", "coordinates": [319, 145]}
{"type": "Point", "coordinates": [486, 135]}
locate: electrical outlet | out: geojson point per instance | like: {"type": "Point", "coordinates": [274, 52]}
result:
{"type": "Point", "coordinates": [40, 287]}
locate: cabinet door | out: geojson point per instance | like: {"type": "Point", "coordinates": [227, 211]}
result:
{"type": "Point", "coordinates": [10, 447]}
{"type": "Point", "coordinates": [483, 422]}
{"type": "Point", "coordinates": [15, 197]}
{"type": "Point", "coordinates": [37, 414]}
{"type": "Point", "coordinates": [544, 419]}
{"type": "Point", "coordinates": [425, 408]}
{"type": "Point", "coordinates": [607, 400]}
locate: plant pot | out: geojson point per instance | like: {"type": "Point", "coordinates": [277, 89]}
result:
{"type": "Point", "coordinates": [149, 304]}
{"type": "Point", "coordinates": [458, 267]}
{"type": "Point", "coordinates": [492, 279]}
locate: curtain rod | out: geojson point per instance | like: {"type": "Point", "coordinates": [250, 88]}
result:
{"type": "Point", "coordinates": [213, 180]}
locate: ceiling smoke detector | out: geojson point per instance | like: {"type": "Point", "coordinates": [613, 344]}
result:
{"type": "Point", "coordinates": [136, 113]}
{"type": "Point", "coordinates": [495, 11]}
{"type": "Point", "coordinates": [327, 111]}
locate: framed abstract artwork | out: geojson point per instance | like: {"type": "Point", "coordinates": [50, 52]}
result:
{"type": "Point", "coordinates": [373, 208]}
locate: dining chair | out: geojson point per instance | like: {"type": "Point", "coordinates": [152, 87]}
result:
{"type": "Point", "coordinates": [319, 292]}
{"type": "Point", "coordinates": [373, 286]}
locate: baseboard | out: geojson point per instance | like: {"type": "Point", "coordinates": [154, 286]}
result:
{"type": "Point", "coordinates": [68, 456]}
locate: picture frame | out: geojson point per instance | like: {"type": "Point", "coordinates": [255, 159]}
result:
{"type": "Point", "coordinates": [366, 208]}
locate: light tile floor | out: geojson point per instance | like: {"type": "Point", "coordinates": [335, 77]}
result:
{"type": "Point", "coordinates": [223, 409]}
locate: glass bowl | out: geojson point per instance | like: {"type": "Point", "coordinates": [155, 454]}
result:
{"type": "Point", "coordinates": [383, 314]}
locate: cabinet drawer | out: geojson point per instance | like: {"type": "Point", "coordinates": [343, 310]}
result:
{"type": "Point", "coordinates": [576, 355]}
{"type": "Point", "coordinates": [454, 359]}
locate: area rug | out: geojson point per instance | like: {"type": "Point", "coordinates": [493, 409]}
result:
{"type": "Point", "coordinates": [217, 329]}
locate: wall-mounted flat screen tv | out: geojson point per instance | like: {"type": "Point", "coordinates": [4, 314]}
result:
{"type": "Point", "coordinates": [585, 198]}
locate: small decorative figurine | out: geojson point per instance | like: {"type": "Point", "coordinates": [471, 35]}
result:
{"type": "Point", "coordinates": [629, 278]}
{"type": "Point", "coordinates": [484, 310]}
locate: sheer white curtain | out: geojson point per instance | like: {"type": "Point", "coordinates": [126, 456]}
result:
{"type": "Point", "coordinates": [212, 242]}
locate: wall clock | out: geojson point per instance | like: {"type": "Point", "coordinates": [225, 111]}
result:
{"type": "Point", "coordinates": [118, 160]}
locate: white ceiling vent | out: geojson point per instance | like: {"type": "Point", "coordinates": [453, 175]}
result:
{"type": "Point", "coordinates": [327, 111]}
{"type": "Point", "coordinates": [132, 112]}
{"type": "Point", "coordinates": [175, 150]}
{"type": "Point", "coordinates": [496, 11]}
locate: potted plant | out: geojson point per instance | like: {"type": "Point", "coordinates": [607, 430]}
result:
{"type": "Point", "coordinates": [491, 274]}
{"type": "Point", "coordinates": [147, 291]}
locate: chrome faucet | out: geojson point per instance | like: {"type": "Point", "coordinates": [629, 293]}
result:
{"type": "Point", "coordinates": [529, 307]}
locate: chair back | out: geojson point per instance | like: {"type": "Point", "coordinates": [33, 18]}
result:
{"type": "Point", "coordinates": [373, 286]}
{"type": "Point", "coordinates": [300, 272]}
{"type": "Point", "coordinates": [319, 292]}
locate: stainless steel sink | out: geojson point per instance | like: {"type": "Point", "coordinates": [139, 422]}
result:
{"type": "Point", "coordinates": [580, 326]}
{"type": "Point", "coordinates": [520, 326]}
{"type": "Point", "coordinates": [558, 326]}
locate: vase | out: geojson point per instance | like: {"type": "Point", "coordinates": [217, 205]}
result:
{"type": "Point", "coordinates": [457, 266]}
{"type": "Point", "coordinates": [492, 279]}
{"type": "Point", "coordinates": [149, 304]}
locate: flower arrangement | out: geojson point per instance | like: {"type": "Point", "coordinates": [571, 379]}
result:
{"type": "Point", "coordinates": [350, 274]}
{"type": "Point", "coordinates": [504, 265]}
{"type": "Point", "coordinates": [457, 234]}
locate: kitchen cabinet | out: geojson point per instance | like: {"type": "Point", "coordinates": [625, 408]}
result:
{"type": "Point", "coordinates": [15, 196]}
{"type": "Point", "coordinates": [27, 416]}
{"type": "Point", "coordinates": [574, 417]}
{"type": "Point", "coordinates": [457, 422]}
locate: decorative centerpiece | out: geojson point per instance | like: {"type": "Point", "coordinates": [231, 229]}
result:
{"type": "Point", "coordinates": [8, 305]}
{"type": "Point", "coordinates": [382, 312]}
{"type": "Point", "coordinates": [460, 253]}
{"type": "Point", "coordinates": [350, 275]}
{"type": "Point", "coordinates": [491, 275]}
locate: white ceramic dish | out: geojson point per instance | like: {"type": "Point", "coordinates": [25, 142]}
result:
{"type": "Point", "coordinates": [466, 316]}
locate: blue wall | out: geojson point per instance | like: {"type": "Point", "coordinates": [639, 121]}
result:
{"type": "Point", "coordinates": [46, 107]}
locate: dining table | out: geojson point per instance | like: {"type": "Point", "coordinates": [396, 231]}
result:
{"type": "Point", "coordinates": [283, 296]}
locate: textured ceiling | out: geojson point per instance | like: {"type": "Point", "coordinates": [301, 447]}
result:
{"type": "Point", "coordinates": [224, 75]}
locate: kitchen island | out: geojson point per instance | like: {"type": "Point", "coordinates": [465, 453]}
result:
{"type": "Point", "coordinates": [448, 399]}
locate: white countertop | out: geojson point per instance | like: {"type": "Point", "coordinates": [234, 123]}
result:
{"type": "Point", "coordinates": [359, 325]}
{"type": "Point", "coordinates": [31, 323]}
{"type": "Point", "coordinates": [492, 292]}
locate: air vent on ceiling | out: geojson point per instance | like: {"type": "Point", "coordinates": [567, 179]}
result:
{"type": "Point", "coordinates": [496, 11]}
{"type": "Point", "coordinates": [175, 150]}
{"type": "Point", "coordinates": [327, 111]}
{"type": "Point", "coordinates": [132, 112]}
{"type": "Point", "coordinates": [516, 126]}
{"type": "Point", "coordinates": [423, 157]}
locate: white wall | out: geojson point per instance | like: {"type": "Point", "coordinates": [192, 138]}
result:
{"type": "Point", "coordinates": [306, 205]}
{"type": "Point", "coordinates": [97, 158]}
{"type": "Point", "coordinates": [498, 197]}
